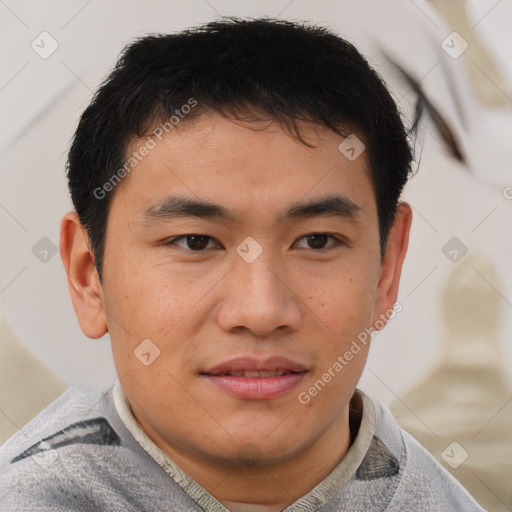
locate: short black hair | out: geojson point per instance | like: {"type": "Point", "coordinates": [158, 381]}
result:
{"type": "Point", "coordinates": [288, 71]}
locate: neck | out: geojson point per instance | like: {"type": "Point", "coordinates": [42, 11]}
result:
{"type": "Point", "coordinates": [264, 487]}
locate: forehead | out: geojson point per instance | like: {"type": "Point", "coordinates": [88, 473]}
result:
{"type": "Point", "coordinates": [247, 166]}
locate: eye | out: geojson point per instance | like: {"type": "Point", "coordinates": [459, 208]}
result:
{"type": "Point", "coordinates": [199, 243]}
{"type": "Point", "coordinates": [317, 241]}
{"type": "Point", "coordinates": [194, 242]}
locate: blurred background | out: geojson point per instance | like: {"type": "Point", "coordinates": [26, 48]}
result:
{"type": "Point", "coordinates": [443, 364]}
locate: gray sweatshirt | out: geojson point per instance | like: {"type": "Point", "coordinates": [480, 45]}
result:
{"type": "Point", "coordinates": [86, 452]}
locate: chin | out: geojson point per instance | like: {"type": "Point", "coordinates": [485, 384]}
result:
{"type": "Point", "coordinates": [251, 450]}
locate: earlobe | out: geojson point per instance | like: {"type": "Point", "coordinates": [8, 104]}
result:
{"type": "Point", "coordinates": [391, 269]}
{"type": "Point", "coordinates": [83, 281]}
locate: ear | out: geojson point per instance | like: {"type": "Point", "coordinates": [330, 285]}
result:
{"type": "Point", "coordinates": [83, 280]}
{"type": "Point", "coordinates": [391, 268]}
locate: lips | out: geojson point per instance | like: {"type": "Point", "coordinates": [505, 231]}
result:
{"type": "Point", "coordinates": [253, 379]}
{"type": "Point", "coordinates": [253, 373]}
{"type": "Point", "coordinates": [252, 367]}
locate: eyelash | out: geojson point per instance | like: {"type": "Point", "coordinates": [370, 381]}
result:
{"type": "Point", "coordinates": [338, 242]}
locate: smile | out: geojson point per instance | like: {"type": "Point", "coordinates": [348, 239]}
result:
{"type": "Point", "coordinates": [253, 379]}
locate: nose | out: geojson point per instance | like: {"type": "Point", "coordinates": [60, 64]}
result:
{"type": "Point", "coordinates": [259, 297]}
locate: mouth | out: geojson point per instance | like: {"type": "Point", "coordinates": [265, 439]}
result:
{"type": "Point", "coordinates": [253, 373]}
{"type": "Point", "coordinates": [252, 379]}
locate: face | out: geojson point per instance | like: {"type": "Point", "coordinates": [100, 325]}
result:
{"type": "Point", "coordinates": [246, 302]}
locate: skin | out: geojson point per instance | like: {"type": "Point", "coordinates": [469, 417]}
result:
{"type": "Point", "coordinates": [203, 308]}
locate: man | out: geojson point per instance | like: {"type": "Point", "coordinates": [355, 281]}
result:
{"type": "Point", "coordinates": [238, 233]}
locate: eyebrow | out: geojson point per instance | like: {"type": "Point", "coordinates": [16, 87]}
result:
{"type": "Point", "coordinates": [175, 207]}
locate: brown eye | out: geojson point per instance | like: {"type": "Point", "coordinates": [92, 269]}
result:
{"type": "Point", "coordinates": [318, 241]}
{"type": "Point", "coordinates": [193, 242]}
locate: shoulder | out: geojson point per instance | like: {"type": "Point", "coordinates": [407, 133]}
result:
{"type": "Point", "coordinates": [77, 455]}
{"type": "Point", "coordinates": [36, 463]}
{"type": "Point", "coordinates": [424, 485]}
{"type": "Point", "coordinates": [75, 417]}
{"type": "Point", "coordinates": [57, 424]}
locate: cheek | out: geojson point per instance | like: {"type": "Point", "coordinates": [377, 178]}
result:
{"type": "Point", "coordinates": [344, 301]}
{"type": "Point", "coordinates": [153, 303]}
{"type": "Point", "coordinates": [151, 298]}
